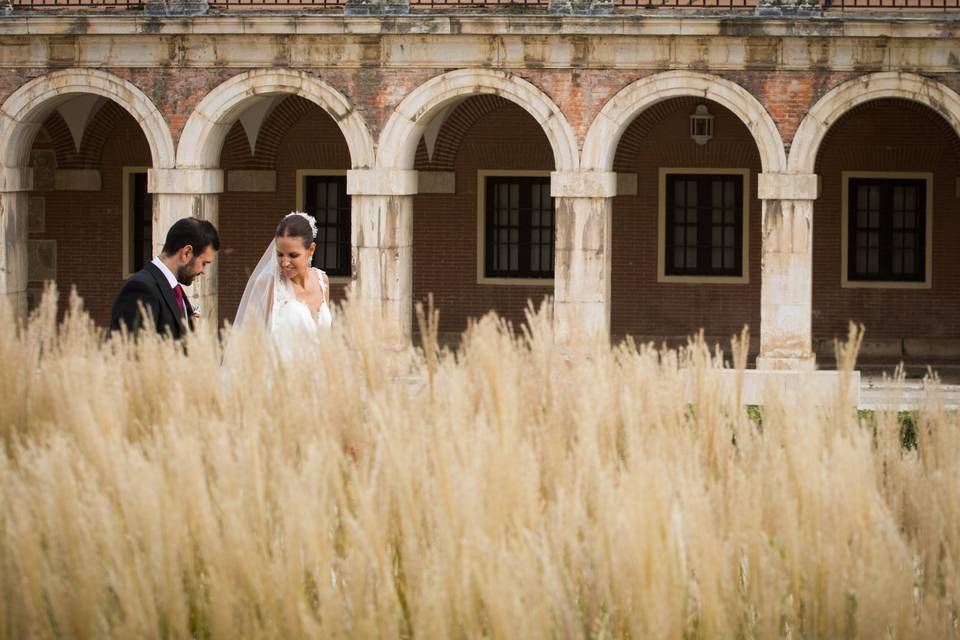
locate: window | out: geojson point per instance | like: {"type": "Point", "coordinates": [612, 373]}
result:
{"type": "Point", "coordinates": [886, 236]}
{"type": "Point", "coordinates": [703, 227]}
{"type": "Point", "coordinates": [518, 227]}
{"type": "Point", "coordinates": [138, 220]}
{"type": "Point", "coordinates": [325, 198]}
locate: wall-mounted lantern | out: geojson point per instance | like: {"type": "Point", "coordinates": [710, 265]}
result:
{"type": "Point", "coordinates": [701, 125]}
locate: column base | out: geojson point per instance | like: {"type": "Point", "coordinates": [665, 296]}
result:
{"type": "Point", "coordinates": [787, 363]}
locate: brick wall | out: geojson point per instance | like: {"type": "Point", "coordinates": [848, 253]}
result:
{"type": "Point", "coordinates": [296, 135]}
{"type": "Point", "coordinates": [87, 225]}
{"type": "Point", "coordinates": [640, 305]}
{"type": "Point", "coordinates": [493, 134]}
{"type": "Point", "coordinates": [888, 135]}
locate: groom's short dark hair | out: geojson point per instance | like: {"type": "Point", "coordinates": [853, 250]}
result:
{"type": "Point", "coordinates": [197, 233]}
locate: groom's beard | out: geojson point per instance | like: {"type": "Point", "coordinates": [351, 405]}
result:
{"type": "Point", "coordinates": [184, 276]}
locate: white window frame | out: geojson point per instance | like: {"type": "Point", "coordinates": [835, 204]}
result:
{"type": "Point", "coordinates": [662, 276]}
{"type": "Point", "coordinates": [302, 175]}
{"type": "Point", "coordinates": [482, 176]}
{"type": "Point", "coordinates": [845, 282]}
{"type": "Point", "coordinates": [127, 223]}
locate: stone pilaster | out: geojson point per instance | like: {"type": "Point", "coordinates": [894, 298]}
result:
{"type": "Point", "coordinates": [584, 205]}
{"type": "Point", "coordinates": [382, 238]}
{"type": "Point", "coordinates": [786, 286]}
{"type": "Point", "coordinates": [15, 186]}
{"type": "Point", "coordinates": [182, 193]}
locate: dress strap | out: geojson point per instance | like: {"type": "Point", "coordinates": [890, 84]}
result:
{"type": "Point", "coordinates": [323, 284]}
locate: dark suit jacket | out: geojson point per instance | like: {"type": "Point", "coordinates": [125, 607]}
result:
{"type": "Point", "coordinates": [150, 288]}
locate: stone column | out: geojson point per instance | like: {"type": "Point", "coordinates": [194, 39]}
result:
{"type": "Point", "coordinates": [15, 186]}
{"type": "Point", "coordinates": [382, 238]}
{"type": "Point", "coordinates": [786, 271]}
{"type": "Point", "coordinates": [181, 193]}
{"type": "Point", "coordinates": [584, 205]}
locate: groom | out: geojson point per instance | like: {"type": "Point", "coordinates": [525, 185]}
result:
{"type": "Point", "coordinates": [190, 246]}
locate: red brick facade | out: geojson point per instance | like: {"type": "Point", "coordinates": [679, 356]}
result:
{"type": "Point", "coordinates": [488, 132]}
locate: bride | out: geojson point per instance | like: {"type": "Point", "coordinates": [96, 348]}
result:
{"type": "Point", "coordinates": [285, 295]}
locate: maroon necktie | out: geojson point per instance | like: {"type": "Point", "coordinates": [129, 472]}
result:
{"type": "Point", "coordinates": [178, 290]}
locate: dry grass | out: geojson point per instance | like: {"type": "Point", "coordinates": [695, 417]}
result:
{"type": "Point", "coordinates": [523, 492]}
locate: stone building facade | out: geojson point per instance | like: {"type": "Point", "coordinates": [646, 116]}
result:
{"type": "Point", "coordinates": [653, 173]}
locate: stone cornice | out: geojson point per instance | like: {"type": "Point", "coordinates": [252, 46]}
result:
{"type": "Point", "coordinates": [480, 42]}
{"type": "Point", "coordinates": [292, 23]}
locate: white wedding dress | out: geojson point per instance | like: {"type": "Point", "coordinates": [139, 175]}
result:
{"type": "Point", "coordinates": [290, 317]}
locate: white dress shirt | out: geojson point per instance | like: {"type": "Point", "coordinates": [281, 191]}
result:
{"type": "Point", "coordinates": [172, 279]}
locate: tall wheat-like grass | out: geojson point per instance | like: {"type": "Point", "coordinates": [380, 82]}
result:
{"type": "Point", "coordinates": [510, 489]}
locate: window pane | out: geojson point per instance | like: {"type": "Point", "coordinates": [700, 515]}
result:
{"type": "Point", "coordinates": [910, 262]}
{"type": "Point", "coordinates": [521, 224]}
{"type": "Point", "coordinates": [678, 253]}
{"type": "Point", "coordinates": [705, 218]}
{"type": "Point", "coordinates": [328, 202]}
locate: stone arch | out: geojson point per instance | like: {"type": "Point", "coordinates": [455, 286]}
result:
{"type": "Point", "coordinates": [24, 112]}
{"type": "Point", "coordinates": [203, 136]}
{"type": "Point", "coordinates": [839, 100]}
{"type": "Point", "coordinates": [603, 137]}
{"type": "Point", "coordinates": [401, 135]}
{"type": "Point", "coordinates": [455, 128]}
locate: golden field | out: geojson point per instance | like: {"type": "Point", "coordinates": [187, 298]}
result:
{"type": "Point", "coordinates": [509, 489]}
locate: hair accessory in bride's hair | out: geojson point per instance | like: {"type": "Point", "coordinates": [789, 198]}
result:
{"type": "Point", "coordinates": [310, 219]}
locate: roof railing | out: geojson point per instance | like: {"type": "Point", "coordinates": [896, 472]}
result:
{"type": "Point", "coordinates": [557, 7]}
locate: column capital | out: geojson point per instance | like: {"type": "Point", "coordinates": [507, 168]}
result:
{"type": "Point", "coordinates": [382, 182]}
{"type": "Point", "coordinates": [16, 179]}
{"type": "Point", "coordinates": [788, 186]}
{"type": "Point", "coordinates": [186, 181]}
{"type": "Point", "coordinates": [583, 184]}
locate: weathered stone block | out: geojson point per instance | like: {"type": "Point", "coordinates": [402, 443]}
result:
{"type": "Point", "coordinates": [253, 181]}
{"type": "Point", "coordinates": [382, 182]}
{"type": "Point", "coordinates": [77, 179]}
{"type": "Point", "coordinates": [41, 260]}
{"type": "Point", "coordinates": [437, 182]}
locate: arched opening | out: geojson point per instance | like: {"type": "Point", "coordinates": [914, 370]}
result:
{"type": "Point", "coordinates": [282, 154]}
{"type": "Point", "coordinates": [83, 133]}
{"type": "Point", "coordinates": [483, 223]}
{"type": "Point", "coordinates": [885, 235]}
{"type": "Point", "coordinates": [686, 224]}
{"type": "Point", "coordinates": [90, 214]}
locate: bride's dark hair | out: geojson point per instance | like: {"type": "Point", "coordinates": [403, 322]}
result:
{"type": "Point", "coordinates": [295, 227]}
